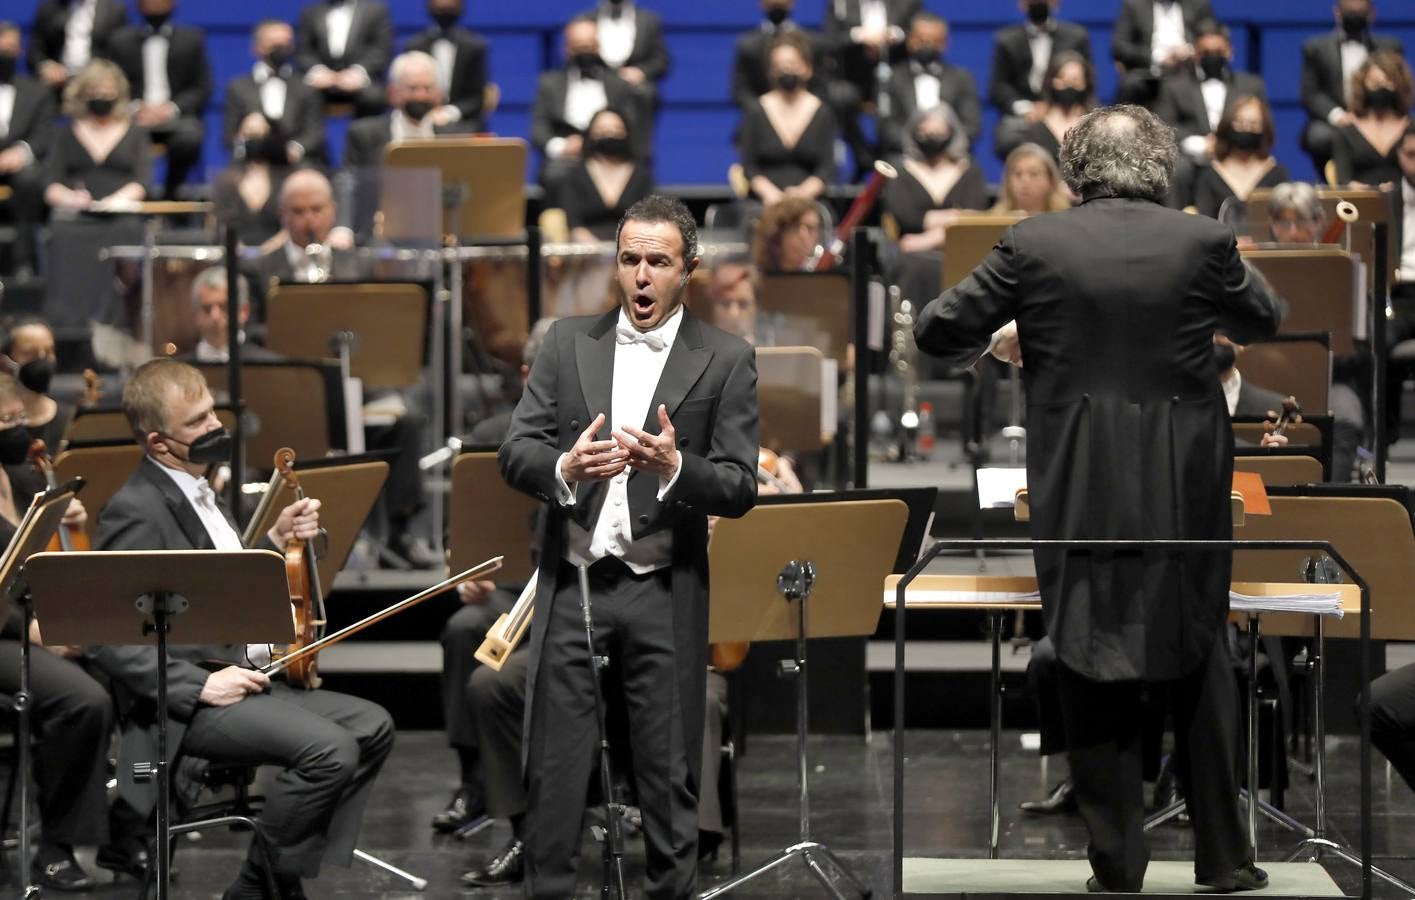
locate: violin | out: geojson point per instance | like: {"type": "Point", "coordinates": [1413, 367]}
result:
{"type": "Point", "coordinates": [1291, 414]}
{"type": "Point", "coordinates": [306, 594]}
{"type": "Point", "coordinates": [69, 537]}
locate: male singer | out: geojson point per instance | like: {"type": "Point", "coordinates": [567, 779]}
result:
{"type": "Point", "coordinates": [635, 426]}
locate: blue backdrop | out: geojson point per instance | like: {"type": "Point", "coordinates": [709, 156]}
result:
{"type": "Point", "coordinates": [697, 117]}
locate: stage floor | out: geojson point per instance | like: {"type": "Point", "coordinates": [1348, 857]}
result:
{"type": "Point", "coordinates": [946, 816]}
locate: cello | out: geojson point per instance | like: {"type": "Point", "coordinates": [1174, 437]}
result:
{"type": "Point", "coordinates": [68, 538]}
{"type": "Point", "coordinates": [306, 593]}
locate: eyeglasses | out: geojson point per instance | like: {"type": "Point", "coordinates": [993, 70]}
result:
{"type": "Point", "coordinates": [14, 420]}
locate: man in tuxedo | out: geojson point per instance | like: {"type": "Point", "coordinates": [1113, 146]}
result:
{"type": "Point", "coordinates": [1152, 38]}
{"type": "Point", "coordinates": [461, 65]}
{"type": "Point", "coordinates": [859, 37]}
{"type": "Point", "coordinates": [925, 80]}
{"type": "Point", "coordinates": [26, 128]}
{"type": "Point", "coordinates": [343, 49]}
{"type": "Point", "coordinates": [632, 46]}
{"type": "Point", "coordinates": [568, 97]}
{"type": "Point", "coordinates": [628, 498]}
{"type": "Point", "coordinates": [1401, 327]}
{"type": "Point", "coordinates": [1193, 98]}
{"type": "Point", "coordinates": [1021, 55]}
{"type": "Point", "coordinates": [211, 312]}
{"type": "Point", "coordinates": [328, 746]}
{"type": "Point", "coordinates": [66, 34]}
{"type": "Point", "coordinates": [170, 75]}
{"type": "Point", "coordinates": [1142, 289]}
{"type": "Point", "coordinates": [271, 114]}
{"type": "Point", "coordinates": [751, 66]}
{"type": "Point", "coordinates": [1328, 62]}
{"type": "Point", "coordinates": [414, 97]}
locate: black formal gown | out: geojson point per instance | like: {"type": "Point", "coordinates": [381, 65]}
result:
{"type": "Point", "coordinates": [1038, 133]}
{"type": "Point", "coordinates": [253, 226]}
{"type": "Point", "coordinates": [763, 152]}
{"type": "Point", "coordinates": [1211, 191]}
{"type": "Point", "coordinates": [1357, 160]}
{"type": "Point", "coordinates": [585, 208]}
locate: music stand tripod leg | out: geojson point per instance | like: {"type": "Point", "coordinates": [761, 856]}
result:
{"type": "Point", "coordinates": [22, 752]}
{"type": "Point", "coordinates": [613, 847]}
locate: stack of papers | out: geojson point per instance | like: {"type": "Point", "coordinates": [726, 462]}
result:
{"type": "Point", "coordinates": [1311, 604]}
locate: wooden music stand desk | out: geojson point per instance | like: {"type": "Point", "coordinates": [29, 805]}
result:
{"type": "Point", "coordinates": [789, 390]}
{"type": "Point", "coordinates": [1281, 470]}
{"type": "Point", "coordinates": [970, 239]}
{"type": "Point", "coordinates": [346, 491]}
{"type": "Point", "coordinates": [288, 404]}
{"type": "Point", "coordinates": [491, 173]}
{"type": "Point", "coordinates": [808, 308]}
{"type": "Point", "coordinates": [1319, 286]}
{"type": "Point", "coordinates": [104, 470]}
{"type": "Point", "coordinates": [488, 518]}
{"type": "Point", "coordinates": [389, 322]}
{"type": "Point", "coordinates": [107, 424]}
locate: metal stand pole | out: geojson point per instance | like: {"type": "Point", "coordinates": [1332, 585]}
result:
{"type": "Point", "coordinates": [795, 583]}
{"type": "Point", "coordinates": [22, 711]}
{"type": "Point", "coordinates": [160, 606]}
{"type": "Point", "coordinates": [995, 735]}
{"type": "Point", "coordinates": [613, 847]}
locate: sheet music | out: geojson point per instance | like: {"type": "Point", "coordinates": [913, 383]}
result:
{"type": "Point", "coordinates": [998, 487]}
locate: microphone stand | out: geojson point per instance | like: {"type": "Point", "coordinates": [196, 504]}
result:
{"type": "Point", "coordinates": [613, 847]}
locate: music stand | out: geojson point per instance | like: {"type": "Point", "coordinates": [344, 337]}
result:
{"type": "Point", "coordinates": [290, 403]}
{"type": "Point", "coordinates": [104, 469]}
{"type": "Point", "coordinates": [229, 597]}
{"type": "Point", "coordinates": [321, 321]}
{"type": "Point", "coordinates": [807, 309]}
{"type": "Point", "coordinates": [486, 176]}
{"type": "Point", "coordinates": [107, 424]}
{"type": "Point", "coordinates": [835, 555]}
{"type": "Point", "coordinates": [488, 518]}
{"type": "Point", "coordinates": [791, 391]}
{"type": "Point", "coordinates": [38, 526]}
{"type": "Point", "coordinates": [346, 487]}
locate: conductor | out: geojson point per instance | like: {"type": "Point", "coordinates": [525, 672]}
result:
{"type": "Point", "coordinates": [1113, 307]}
{"type": "Point", "coordinates": [635, 426]}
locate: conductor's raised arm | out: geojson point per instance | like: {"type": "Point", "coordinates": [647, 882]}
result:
{"type": "Point", "coordinates": [958, 325]}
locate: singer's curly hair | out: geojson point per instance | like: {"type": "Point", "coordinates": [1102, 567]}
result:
{"type": "Point", "coordinates": [662, 208]}
{"type": "Point", "coordinates": [1119, 151]}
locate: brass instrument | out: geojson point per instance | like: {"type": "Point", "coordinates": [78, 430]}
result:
{"type": "Point", "coordinates": [319, 263]}
{"type": "Point", "coordinates": [904, 353]}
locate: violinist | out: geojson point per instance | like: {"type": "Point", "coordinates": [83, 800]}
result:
{"type": "Point", "coordinates": [328, 746]}
{"type": "Point", "coordinates": [28, 348]}
{"type": "Point", "coordinates": [71, 712]}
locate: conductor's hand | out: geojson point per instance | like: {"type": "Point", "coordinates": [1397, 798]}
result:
{"type": "Point", "coordinates": [231, 685]}
{"type": "Point", "coordinates": [298, 521]}
{"type": "Point", "coordinates": [1006, 346]}
{"type": "Point", "coordinates": [655, 454]}
{"type": "Point", "coordinates": [592, 460]}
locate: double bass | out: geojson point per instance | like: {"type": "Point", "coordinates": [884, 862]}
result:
{"type": "Point", "coordinates": [306, 593]}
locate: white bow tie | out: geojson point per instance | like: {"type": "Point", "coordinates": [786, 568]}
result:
{"type": "Point", "coordinates": [205, 495]}
{"type": "Point", "coordinates": [628, 334]}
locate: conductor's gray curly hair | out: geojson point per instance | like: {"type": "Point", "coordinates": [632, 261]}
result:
{"type": "Point", "coordinates": [1119, 151]}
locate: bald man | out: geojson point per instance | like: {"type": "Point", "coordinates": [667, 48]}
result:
{"type": "Point", "coordinates": [414, 97]}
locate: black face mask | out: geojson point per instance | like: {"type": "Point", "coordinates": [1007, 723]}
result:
{"type": "Point", "coordinates": [36, 374]}
{"type": "Point", "coordinates": [416, 109]}
{"type": "Point", "coordinates": [8, 65]}
{"type": "Point", "coordinates": [1354, 24]}
{"type": "Point", "coordinates": [1224, 357]}
{"type": "Point", "coordinates": [1382, 99]}
{"type": "Point", "coordinates": [778, 14]}
{"type": "Point", "coordinates": [101, 106]}
{"type": "Point", "coordinates": [587, 63]}
{"type": "Point", "coordinates": [1213, 65]}
{"type": "Point", "coordinates": [1038, 13]}
{"type": "Point", "coordinates": [611, 147]}
{"type": "Point", "coordinates": [1243, 140]}
{"type": "Point", "coordinates": [267, 148]}
{"type": "Point", "coordinates": [279, 56]}
{"type": "Point", "coordinates": [157, 20]}
{"type": "Point", "coordinates": [926, 55]}
{"type": "Point", "coordinates": [788, 82]}
{"type": "Point", "coordinates": [14, 445]}
{"type": "Point", "coordinates": [1068, 97]}
{"type": "Point", "coordinates": [932, 146]}
{"type": "Point", "coordinates": [209, 449]}
{"type": "Point", "coordinates": [446, 20]}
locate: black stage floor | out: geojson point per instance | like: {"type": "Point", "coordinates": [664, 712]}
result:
{"type": "Point", "coordinates": [946, 788]}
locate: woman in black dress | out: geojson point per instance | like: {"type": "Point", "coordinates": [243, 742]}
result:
{"type": "Point", "coordinates": [788, 136]}
{"type": "Point", "coordinates": [1364, 150]}
{"type": "Point", "coordinates": [606, 182]}
{"type": "Point", "coordinates": [1242, 163]}
{"type": "Point", "coordinates": [28, 348]}
{"type": "Point", "coordinates": [1068, 93]}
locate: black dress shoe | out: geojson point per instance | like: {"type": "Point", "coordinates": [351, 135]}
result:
{"type": "Point", "coordinates": [125, 858]}
{"type": "Point", "coordinates": [708, 844]}
{"type": "Point", "coordinates": [1062, 799]}
{"type": "Point", "coordinates": [461, 816]}
{"type": "Point", "coordinates": [1247, 877]}
{"type": "Point", "coordinates": [1094, 886]}
{"type": "Point", "coordinates": [57, 870]}
{"type": "Point", "coordinates": [507, 867]}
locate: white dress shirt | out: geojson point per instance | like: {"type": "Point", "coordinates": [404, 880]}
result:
{"type": "Point", "coordinates": [1169, 31]}
{"type": "Point", "coordinates": [402, 128]}
{"type": "Point", "coordinates": [339, 21]}
{"type": "Point", "coordinates": [223, 537]}
{"type": "Point", "coordinates": [874, 15]}
{"type": "Point", "coordinates": [1407, 234]}
{"type": "Point", "coordinates": [1353, 54]}
{"type": "Point", "coordinates": [583, 98]}
{"type": "Point", "coordinates": [272, 91]}
{"type": "Point", "coordinates": [1215, 94]}
{"type": "Point", "coordinates": [637, 369]}
{"type": "Point", "coordinates": [7, 108]}
{"type": "Point", "coordinates": [927, 88]}
{"type": "Point", "coordinates": [78, 36]}
{"type": "Point", "coordinates": [445, 52]}
{"type": "Point", "coordinates": [1231, 389]}
{"type": "Point", "coordinates": [1040, 42]}
{"type": "Point", "coordinates": [155, 89]}
{"type": "Point", "coordinates": [616, 35]}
